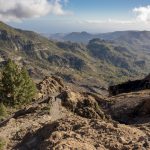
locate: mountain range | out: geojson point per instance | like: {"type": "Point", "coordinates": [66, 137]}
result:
{"type": "Point", "coordinates": [105, 58]}
{"type": "Point", "coordinates": [73, 108]}
{"type": "Point", "coordinates": [137, 40]}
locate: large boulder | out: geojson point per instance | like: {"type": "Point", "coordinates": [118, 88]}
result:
{"type": "Point", "coordinates": [50, 86]}
{"type": "Point", "coordinates": [82, 104]}
{"type": "Point", "coordinates": [131, 108]}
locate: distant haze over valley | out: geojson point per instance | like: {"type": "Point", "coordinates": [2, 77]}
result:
{"type": "Point", "coordinates": [117, 36]}
{"type": "Point", "coordinates": [80, 57]}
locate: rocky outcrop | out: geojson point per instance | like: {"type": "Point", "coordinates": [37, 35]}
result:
{"type": "Point", "coordinates": [50, 86]}
{"type": "Point", "coordinates": [16, 42]}
{"type": "Point", "coordinates": [130, 101]}
{"type": "Point", "coordinates": [131, 108]}
{"type": "Point", "coordinates": [82, 104]}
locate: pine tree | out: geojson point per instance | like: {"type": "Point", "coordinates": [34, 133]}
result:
{"type": "Point", "coordinates": [29, 89]}
{"type": "Point", "coordinates": [16, 86]}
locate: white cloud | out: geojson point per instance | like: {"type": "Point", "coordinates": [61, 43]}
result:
{"type": "Point", "coordinates": [110, 21]}
{"type": "Point", "coordinates": [143, 13]}
{"type": "Point", "coordinates": [110, 25]}
{"type": "Point", "coordinates": [16, 10]}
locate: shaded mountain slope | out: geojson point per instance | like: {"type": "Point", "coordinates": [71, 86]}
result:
{"type": "Point", "coordinates": [130, 86]}
{"type": "Point", "coordinates": [131, 108]}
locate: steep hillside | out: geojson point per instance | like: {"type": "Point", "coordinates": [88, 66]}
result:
{"type": "Point", "coordinates": [108, 59]}
{"type": "Point", "coordinates": [116, 55]}
{"type": "Point", "coordinates": [92, 67]}
{"type": "Point", "coordinates": [136, 40]}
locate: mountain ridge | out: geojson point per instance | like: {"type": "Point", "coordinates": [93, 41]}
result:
{"type": "Point", "coordinates": [77, 63]}
{"type": "Point", "coordinates": [137, 38]}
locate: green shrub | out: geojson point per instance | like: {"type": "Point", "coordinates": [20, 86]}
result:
{"type": "Point", "coordinates": [3, 111]}
{"type": "Point", "coordinates": [2, 144]}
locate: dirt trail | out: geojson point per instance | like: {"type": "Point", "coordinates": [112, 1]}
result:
{"type": "Point", "coordinates": [56, 111]}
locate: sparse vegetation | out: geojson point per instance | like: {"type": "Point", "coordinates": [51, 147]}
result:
{"type": "Point", "coordinates": [2, 144]}
{"type": "Point", "coordinates": [3, 111]}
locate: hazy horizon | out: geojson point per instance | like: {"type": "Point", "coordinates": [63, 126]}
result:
{"type": "Point", "coordinates": [65, 16]}
{"type": "Point", "coordinates": [93, 32]}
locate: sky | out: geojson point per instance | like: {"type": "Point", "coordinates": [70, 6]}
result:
{"type": "Point", "coordinates": [63, 16]}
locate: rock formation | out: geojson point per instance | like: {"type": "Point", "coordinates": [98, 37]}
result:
{"type": "Point", "coordinates": [82, 104]}
{"type": "Point", "coordinates": [50, 86]}
{"type": "Point", "coordinates": [81, 120]}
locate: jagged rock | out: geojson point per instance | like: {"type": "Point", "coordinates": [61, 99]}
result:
{"type": "Point", "coordinates": [83, 104]}
{"type": "Point", "coordinates": [50, 85]}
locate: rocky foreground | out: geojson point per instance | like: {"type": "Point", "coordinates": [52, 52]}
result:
{"type": "Point", "coordinates": [71, 120]}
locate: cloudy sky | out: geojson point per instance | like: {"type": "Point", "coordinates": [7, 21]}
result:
{"type": "Point", "coordinates": [51, 16]}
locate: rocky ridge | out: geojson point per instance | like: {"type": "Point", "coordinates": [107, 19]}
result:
{"type": "Point", "coordinates": [81, 120]}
